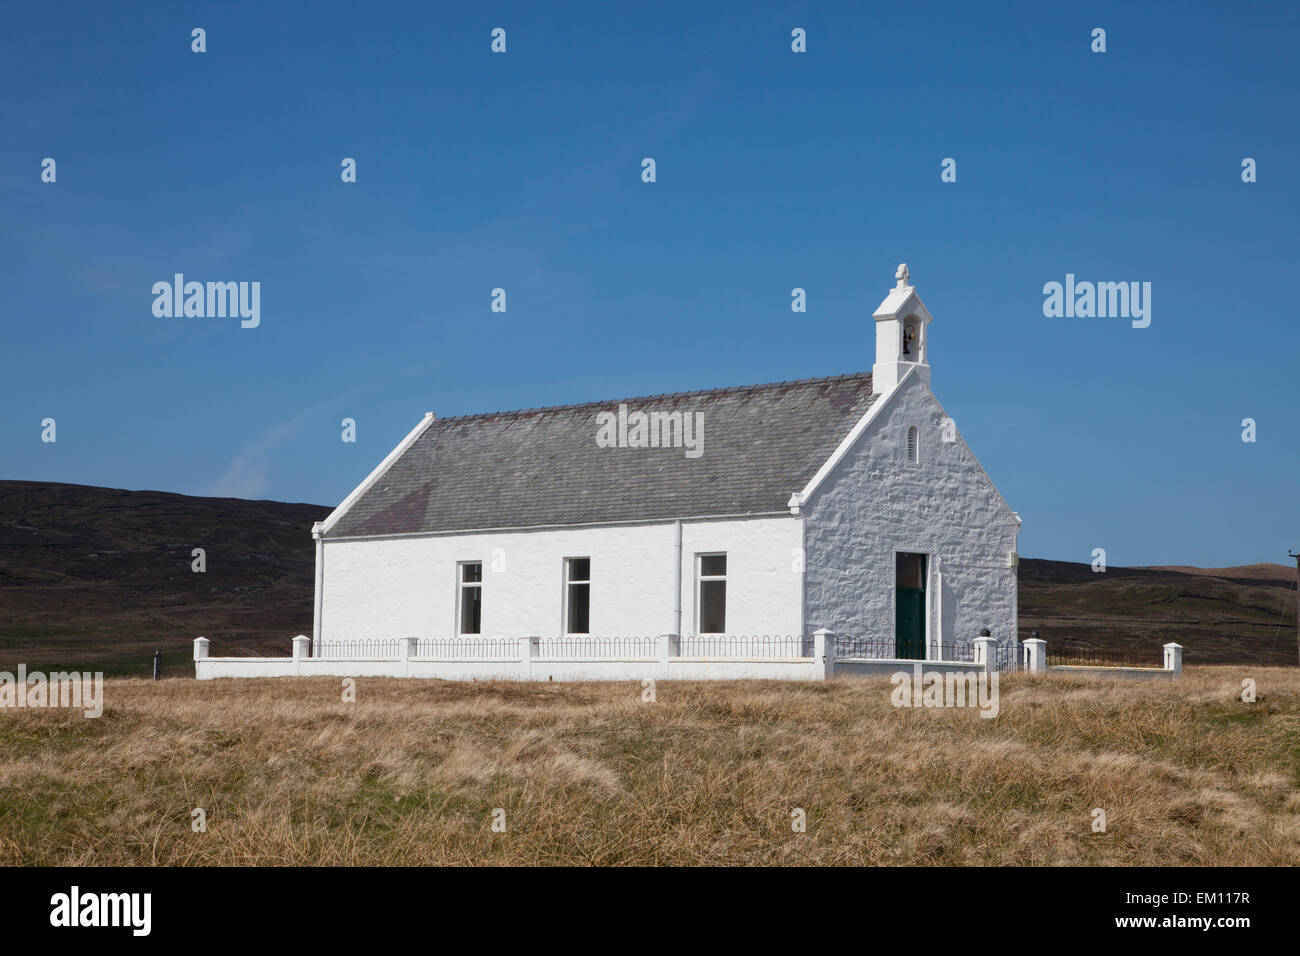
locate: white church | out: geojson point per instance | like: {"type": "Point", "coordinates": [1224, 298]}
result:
{"type": "Point", "coordinates": [849, 503]}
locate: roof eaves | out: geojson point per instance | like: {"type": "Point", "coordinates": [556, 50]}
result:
{"type": "Point", "coordinates": [559, 526]}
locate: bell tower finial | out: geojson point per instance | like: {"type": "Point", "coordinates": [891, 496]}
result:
{"type": "Point", "coordinates": [903, 276]}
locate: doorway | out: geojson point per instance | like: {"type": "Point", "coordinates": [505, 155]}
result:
{"type": "Point", "coordinates": [909, 606]}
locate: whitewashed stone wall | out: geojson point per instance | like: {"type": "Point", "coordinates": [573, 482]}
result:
{"type": "Point", "coordinates": [400, 587]}
{"type": "Point", "coordinates": [876, 503]}
{"type": "Point", "coordinates": [810, 668]}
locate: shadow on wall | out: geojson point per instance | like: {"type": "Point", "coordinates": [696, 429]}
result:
{"type": "Point", "coordinates": [949, 611]}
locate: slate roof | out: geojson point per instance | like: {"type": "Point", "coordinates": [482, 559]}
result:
{"type": "Point", "coordinates": [543, 466]}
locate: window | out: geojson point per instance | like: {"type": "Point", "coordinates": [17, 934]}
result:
{"type": "Point", "coordinates": [577, 595]}
{"type": "Point", "coordinates": [909, 570]}
{"type": "Point", "coordinates": [911, 443]}
{"type": "Point", "coordinates": [711, 593]}
{"type": "Point", "coordinates": [470, 597]}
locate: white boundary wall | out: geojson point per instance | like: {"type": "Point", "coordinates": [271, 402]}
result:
{"type": "Point", "coordinates": [554, 669]}
{"type": "Point", "coordinates": [527, 666]}
{"type": "Point", "coordinates": [1034, 653]}
{"type": "Point", "coordinates": [667, 664]}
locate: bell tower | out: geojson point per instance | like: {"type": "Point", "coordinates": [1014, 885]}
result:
{"type": "Point", "coordinates": [902, 336]}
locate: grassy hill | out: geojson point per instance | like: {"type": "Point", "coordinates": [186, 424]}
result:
{"type": "Point", "coordinates": [99, 578]}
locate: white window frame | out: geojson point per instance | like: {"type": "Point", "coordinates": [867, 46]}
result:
{"type": "Point", "coordinates": [912, 444]}
{"type": "Point", "coordinates": [564, 610]}
{"type": "Point", "coordinates": [700, 578]}
{"type": "Point", "coordinates": [461, 585]}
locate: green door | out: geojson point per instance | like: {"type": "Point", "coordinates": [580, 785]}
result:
{"type": "Point", "coordinates": [909, 604]}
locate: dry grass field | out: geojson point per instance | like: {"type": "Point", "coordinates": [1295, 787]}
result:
{"type": "Point", "coordinates": [709, 774]}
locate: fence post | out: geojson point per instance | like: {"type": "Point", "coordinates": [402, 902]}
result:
{"type": "Point", "coordinates": [201, 648]}
{"type": "Point", "coordinates": [529, 648]}
{"type": "Point", "coordinates": [406, 649]}
{"type": "Point", "coordinates": [986, 651]}
{"type": "Point", "coordinates": [1174, 659]}
{"type": "Point", "coordinates": [301, 649]}
{"type": "Point", "coordinates": [824, 652]}
{"type": "Point", "coordinates": [666, 646]}
{"type": "Point", "coordinates": [1036, 651]}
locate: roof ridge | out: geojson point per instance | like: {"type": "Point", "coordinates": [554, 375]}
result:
{"type": "Point", "coordinates": [664, 396]}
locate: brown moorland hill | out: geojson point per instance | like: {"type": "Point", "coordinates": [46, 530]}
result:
{"type": "Point", "coordinates": [101, 577]}
{"type": "Point", "coordinates": [1219, 615]}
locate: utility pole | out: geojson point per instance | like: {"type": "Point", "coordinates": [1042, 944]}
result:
{"type": "Point", "coordinates": [1296, 555]}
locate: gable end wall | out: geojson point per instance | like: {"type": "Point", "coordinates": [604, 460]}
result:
{"type": "Point", "coordinates": [875, 503]}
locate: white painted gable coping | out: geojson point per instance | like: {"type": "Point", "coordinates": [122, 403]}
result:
{"type": "Point", "coordinates": [323, 527]}
{"type": "Point", "coordinates": [798, 499]}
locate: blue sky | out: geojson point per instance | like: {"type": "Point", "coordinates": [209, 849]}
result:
{"type": "Point", "coordinates": [775, 170]}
